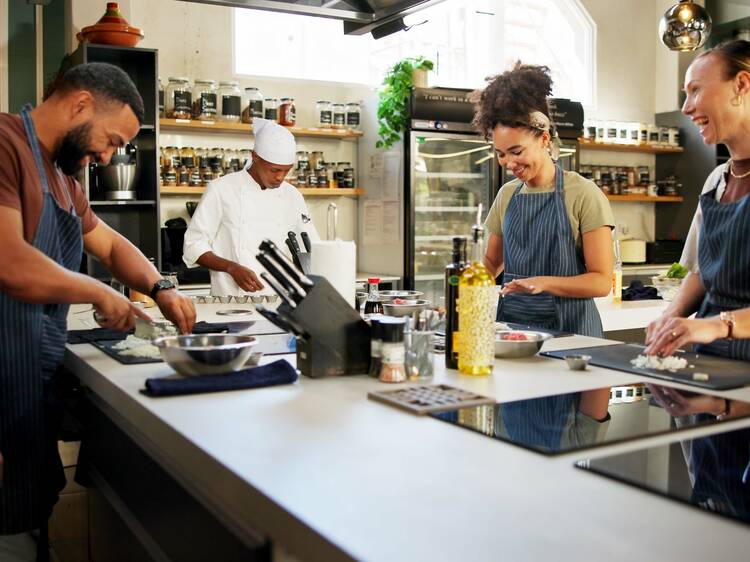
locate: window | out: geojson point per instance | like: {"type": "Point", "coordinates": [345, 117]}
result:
{"type": "Point", "coordinates": [467, 39]}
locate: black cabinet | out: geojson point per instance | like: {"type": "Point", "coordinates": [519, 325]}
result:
{"type": "Point", "coordinates": [137, 219]}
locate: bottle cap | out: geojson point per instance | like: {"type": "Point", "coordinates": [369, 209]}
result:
{"type": "Point", "coordinates": [373, 280]}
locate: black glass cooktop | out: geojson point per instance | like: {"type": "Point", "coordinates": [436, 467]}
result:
{"type": "Point", "coordinates": [569, 422]}
{"type": "Point", "coordinates": [711, 473]}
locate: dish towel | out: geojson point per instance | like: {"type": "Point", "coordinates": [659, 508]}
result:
{"type": "Point", "coordinates": [637, 292]}
{"type": "Point", "coordinates": [278, 372]}
{"type": "Point", "coordinates": [105, 334]}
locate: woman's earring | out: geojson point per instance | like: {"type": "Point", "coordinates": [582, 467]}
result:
{"type": "Point", "coordinates": [736, 100]}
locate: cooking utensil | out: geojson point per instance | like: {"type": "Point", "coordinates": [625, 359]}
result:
{"type": "Point", "coordinates": [408, 308]}
{"type": "Point", "coordinates": [512, 348]}
{"type": "Point", "coordinates": [207, 354]}
{"type": "Point", "coordinates": [293, 251]}
{"type": "Point", "coordinates": [277, 320]}
{"type": "Point", "coordinates": [293, 239]}
{"type": "Point", "coordinates": [306, 241]}
{"type": "Point", "coordinates": [286, 264]}
{"type": "Point", "coordinates": [391, 295]}
{"type": "Point", "coordinates": [577, 361]}
{"type": "Point", "coordinates": [278, 289]}
{"type": "Point", "coordinates": [116, 181]}
{"type": "Point", "coordinates": [288, 285]}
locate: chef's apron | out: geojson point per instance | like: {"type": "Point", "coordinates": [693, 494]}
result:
{"type": "Point", "coordinates": [724, 262]}
{"type": "Point", "coordinates": [31, 348]}
{"type": "Point", "coordinates": [538, 241]}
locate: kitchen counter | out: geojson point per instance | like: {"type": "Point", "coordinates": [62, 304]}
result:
{"type": "Point", "coordinates": [330, 475]}
{"type": "Point", "coordinates": [628, 315]}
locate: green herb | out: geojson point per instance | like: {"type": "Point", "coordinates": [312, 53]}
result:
{"type": "Point", "coordinates": [392, 115]}
{"type": "Point", "coordinates": [677, 271]}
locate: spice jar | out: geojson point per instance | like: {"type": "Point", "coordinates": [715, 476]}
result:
{"type": "Point", "coordinates": [330, 174]}
{"type": "Point", "coordinates": [252, 106]}
{"type": "Point", "coordinates": [187, 157]}
{"type": "Point", "coordinates": [170, 175]}
{"type": "Point", "coordinates": [353, 115]}
{"type": "Point", "coordinates": [178, 102]}
{"type": "Point", "coordinates": [302, 178]}
{"type": "Point", "coordinates": [271, 109]}
{"type": "Point", "coordinates": [171, 157]}
{"type": "Point", "coordinates": [339, 116]}
{"type": "Point", "coordinates": [303, 161]}
{"type": "Point", "coordinates": [324, 112]}
{"type": "Point", "coordinates": [375, 345]}
{"type": "Point", "coordinates": [287, 113]}
{"type": "Point", "coordinates": [204, 100]}
{"type": "Point", "coordinates": [392, 352]}
{"type": "Point", "coordinates": [316, 159]}
{"type": "Point", "coordinates": [183, 176]}
{"type": "Point", "coordinates": [348, 178]}
{"type": "Point", "coordinates": [312, 178]}
{"type": "Point", "coordinates": [201, 157]}
{"type": "Point", "coordinates": [322, 177]}
{"type": "Point", "coordinates": [216, 160]}
{"type": "Point", "coordinates": [339, 174]}
{"type": "Point", "coordinates": [207, 175]}
{"type": "Point", "coordinates": [161, 98]}
{"type": "Point", "coordinates": [196, 180]}
{"type": "Point", "coordinates": [232, 160]}
{"type": "Point", "coordinates": [231, 102]}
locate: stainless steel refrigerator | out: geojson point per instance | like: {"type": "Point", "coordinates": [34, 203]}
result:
{"type": "Point", "coordinates": [449, 170]}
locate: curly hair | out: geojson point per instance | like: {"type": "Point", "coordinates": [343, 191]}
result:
{"type": "Point", "coordinates": [510, 97]}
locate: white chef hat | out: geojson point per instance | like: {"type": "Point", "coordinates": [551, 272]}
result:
{"type": "Point", "coordinates": [274, 143]}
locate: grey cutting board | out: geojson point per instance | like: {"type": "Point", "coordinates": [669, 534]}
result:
{"type": "Point", "coordinates": [724, 373]}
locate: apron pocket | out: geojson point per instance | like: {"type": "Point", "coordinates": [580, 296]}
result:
{"type": "Point", "coordinates": [534, 310]}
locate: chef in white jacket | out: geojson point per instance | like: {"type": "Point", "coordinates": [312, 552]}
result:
{"type": "Point", "coordinates": [239, 210]}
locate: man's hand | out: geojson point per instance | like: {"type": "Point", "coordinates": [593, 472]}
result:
{"type": "Point", "coordinates": [244, 277]}
{"type": "Point", "coordinates": [177, 308]}
{"type": "Point", "coordinates": [115, 311]}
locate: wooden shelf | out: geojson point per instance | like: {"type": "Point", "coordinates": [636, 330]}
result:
{"type": "Point", "coordinates": [309, 191]}
{"type": "Point", "coordinates": [643, 149]}
{"type": "Point", "coordinates": [647, 198]}
{"type": "Point", "coordinates": [184, 125]}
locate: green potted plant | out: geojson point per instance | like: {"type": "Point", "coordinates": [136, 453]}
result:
{"type": "Point", "coordinates": [398, 82]}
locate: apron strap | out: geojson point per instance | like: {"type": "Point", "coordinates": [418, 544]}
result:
{"type": "Point", "coordinates": [34, 144]}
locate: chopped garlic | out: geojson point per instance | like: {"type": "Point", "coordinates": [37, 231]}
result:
{"type": "Point", "coordinates": [670, 363]}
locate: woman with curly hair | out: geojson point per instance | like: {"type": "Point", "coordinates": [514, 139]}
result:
{"type": "Point", "coordinates": [550, 230]}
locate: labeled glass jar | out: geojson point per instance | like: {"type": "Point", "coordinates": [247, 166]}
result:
{"type": "Point", "coordinates": [316, 159]}
{"type": "Point", "coordinates": [349, 180]}
{"type": "Point", "coordinates": [252, 105]}
{"type": "Point", "coordinates": [196, 180]}
{"type": "Point", "coordinates": [246, 156]}
{"type": "Point", "coordinates": [187, 157]}
{"type": "Point", "coordinates": [230, 106]}
{"type": "Point", "coordinates": [287, 112]}
{"type": "Point", "coordinates": [183, 176]}
{"type": "Point", "coordinates": [271, 109]}
{"type": "Point", "coordinates": [324, 112]}
{"type": "Point", "coordinates": [178, 98]}
{"type": "Point", "coordinates": [171, 157]}
{"type": "Point", "coordinates": [322, 176]}
{"type": "Point", "coordinates": [353, 115]}
{"type": "Point", "coordinates": [339, 116]}
{"type": "Point", "coordinates": [204, 99]}
{"type": "Point", "coordinates": [303, 160]}
{"type": "Point", "coordinates": [201, 157]}
{"type": "Point", "coordinates": [392, 351]}
{"type": "Point", "coordinates": [170, 175]}
{"type": "Point", "coordinates": [216, 160]}
{"type": "Point", "coordinates": [232, 160]}
{"type": "Point", "coordinates": [331, 175]}
{"type": "Point", "coordinates": [340, 167]}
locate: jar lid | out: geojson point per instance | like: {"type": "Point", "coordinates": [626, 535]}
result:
{"type": "Point", "coordinates": [229, 83]}
{"type": "Point", "coordinates": [249, 88]}
{"type": "Point", "coordinates": [204, 81]}
{"type": "Point", "coordinates": [323, 101]}
{"type": "Point", "coordinates": [285, 99]}
{"type": "Point", "coordinates": [338, 104]}
{"type": "Point", "coordinates": [178, 79]}
{"type": "Point", "coordinates": [391, 329]}
{"type": "Point", "coordinates": [270, 99]}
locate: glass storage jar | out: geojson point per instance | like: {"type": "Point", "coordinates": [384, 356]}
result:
{"type": "Point", "coordinates": [216, 160]}
{"type": "Point", "coordinates": [353, 115]}
{"type": "Point", "coordinates": [231, 102]}
{"type": "Point", "coordinates": [232, 160]}
{"type": "Point", "coordinates": [271, 109]}
{"type": "Point", "coordinates": [253, 105]}
{"type": "Point", "coordinates": [187, 157]}
{"type": "Point", "coordinates": [324, 112]}
{"type": "Point", "coordinates": [339, 174]}
{"type": "Point", "coordinates": [178, 102]}
{"type": "Point", "coordinates": [287, 112]}
{"type": "Point", "coordinates": [339, 116]}
{"type": "Point", "coordinates": [331, 175]}
{"type": "Point", "coordinates": [349, 178]}
{"type": "Point", "coordinates": [303, 160]}
{"type": "Point", "coordinates": [204, 99]}
{"type": "Point", "coordinates": [170, 175]}
{"type": "Point", "coordinates": [245, 157]}
{"type": "Point", "coordinates": [171, 157]}
{"type": "Point", "coordinates": [316, 159]}
{"type": "Point", "coordinates": [183, 176]}
{"type": "Point", "coordinates": [201, 157]}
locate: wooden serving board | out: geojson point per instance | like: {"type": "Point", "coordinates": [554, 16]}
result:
{"type": "Point", "coordinates": [427, 399]}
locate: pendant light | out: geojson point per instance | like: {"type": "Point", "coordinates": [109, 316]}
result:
{"type": "Point", "coordinates": [685, 26]}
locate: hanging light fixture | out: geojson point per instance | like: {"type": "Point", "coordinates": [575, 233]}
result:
{"type": "Point", "coordinates": [685, 26]}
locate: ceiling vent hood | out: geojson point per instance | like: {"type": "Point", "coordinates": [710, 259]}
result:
{"type": "Point", "coordinates": [379, 17]}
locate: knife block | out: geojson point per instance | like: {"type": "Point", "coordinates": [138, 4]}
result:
{"type": "Point", "coordinates": [336, 339]}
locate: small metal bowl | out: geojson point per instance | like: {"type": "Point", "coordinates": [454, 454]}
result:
{"type": "Point", "coordinates": [272, 298]}
{"type": "Point", "coordinates": [577, 362]}
{"type": "Point", "coordinates": [241, 299]}
{"type": "Point", "coordinates": [257, 299]}
{"type": "Point", "coordinates": [413, 306]}
{"type": "Point", "coordinates": [508, 348]}
{"type": "Point", "coordinates": [387, 296]}
{"type": "Point", "coordinates": [254, 359]}
{"type": "Point", "coordinates": [205, 354]}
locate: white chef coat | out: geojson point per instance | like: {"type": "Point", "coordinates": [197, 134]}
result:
{"type": "Point", "coordinates": [232, 219]}
{"type": "Point", "coordinates": [716, 179]}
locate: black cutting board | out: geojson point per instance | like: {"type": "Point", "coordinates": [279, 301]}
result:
{"type": "Point", "coordinates": [106, 347]}
{"type": "Point", "coordinates": [724, 373]}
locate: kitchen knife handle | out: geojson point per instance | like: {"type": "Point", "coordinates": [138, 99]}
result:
{"type": "Point", "coordinates": [306, 241]}
{"type": "Point", "coordinates": [293, 238]}
{"type": "Point", "coordinates": [283, 280]}
{"type": "Point", "coordinates": [293, 250]}
{"type": "Point", "coordinates": [278, 289]}
{"type": "Point", "coordinates": [299, 277]}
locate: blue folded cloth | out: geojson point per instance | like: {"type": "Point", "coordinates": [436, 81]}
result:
{"type": "Point", "coordinates": [278, 372]}
{"type": "Point", "coordinates": [637, 292]}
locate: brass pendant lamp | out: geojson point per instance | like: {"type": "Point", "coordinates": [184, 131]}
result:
{"type": "Point", "coordinates": [685, 26]}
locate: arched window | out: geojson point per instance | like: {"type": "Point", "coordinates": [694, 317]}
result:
{"type": "Point", "coordinates": [467, 39]}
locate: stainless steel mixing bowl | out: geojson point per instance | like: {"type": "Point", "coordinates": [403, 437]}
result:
{"type": "Point", "coordinates": [117, 180]}
{"type": "Point", "coordinates": [391, 295]}
{"type": "Point", "coordinates": [206, 354]}
{"type": "Point", "coordinates": [508, 349]}
{"type": "Point", "coordinates": [408, 308]}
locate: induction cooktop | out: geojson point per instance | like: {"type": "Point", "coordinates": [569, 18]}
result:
{"type": "Point", "coordinates": [580, 420]}
{"type": "Point", "coordinates": [710, 473]}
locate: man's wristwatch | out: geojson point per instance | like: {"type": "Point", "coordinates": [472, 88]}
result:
{"type": "Point", "coordinates": [727, 317]}
{"type": "Point", "coordinates": [160, 285]}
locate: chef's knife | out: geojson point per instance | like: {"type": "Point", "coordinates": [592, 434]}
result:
{"type": "Point", "coordinates": [298, 276]}
{"type": "Point", "coordinates": [306, 241]}
{"type": "Point", "coordinates": [293, 251]}
{"type": "Point", "coordinates": [278, 289]}
{"type": "Point", "coordinates": [273, 317]}
{"type": "Point", "coordinates": [288, 284]}
{"type": "Point", "coordinates": [295, 244]}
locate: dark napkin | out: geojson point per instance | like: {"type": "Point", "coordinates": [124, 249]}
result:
{"type": "Point", "coordinates": [637, 292]}
{"type": "Point", "coordinates": [278, 372]}
{"type": "Point", "coordinates": [105, 334]}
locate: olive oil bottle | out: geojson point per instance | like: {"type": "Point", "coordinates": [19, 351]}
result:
{"type": "Point", "coordinates": [476, 310]}
{"type": "Point", "coordinates": [452, 275]}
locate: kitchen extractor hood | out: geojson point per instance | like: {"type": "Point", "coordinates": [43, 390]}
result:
{"type": "Point", "coordinates": [381, 17]}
